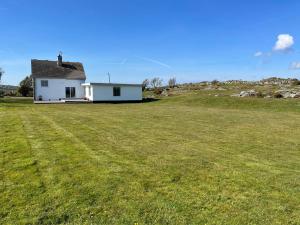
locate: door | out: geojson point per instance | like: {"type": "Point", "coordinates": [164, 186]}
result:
{"type": "Point", "coordinates": [70, 92]}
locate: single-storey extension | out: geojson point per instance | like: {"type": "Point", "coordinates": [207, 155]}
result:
{"type": "Point", "coordinates": [112, 92]}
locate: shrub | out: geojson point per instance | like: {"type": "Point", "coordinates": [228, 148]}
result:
{"type": "Point", "coordinates": [1, 93]}
{"type": "Point", "coordinates": [156, 82]}
{"type": "Point", "coordinates": [278, 95]}
{"type": "Point", "coordinates": [296, 82]}
{"type": "Point", "coordinates": [172, 82]}
{"type": "Point", "coordinates": [145, 84]}
{"type": "Point", "coordinates": [158, 91]}
{"type": "Point", "coordinates": [11, 93]}
{"type": "Point", "coordinates": [215, 82]}
{"type": "Point", "coordinates": [26, 87]}
{"type": "Point", "coordinates": [259, 94]}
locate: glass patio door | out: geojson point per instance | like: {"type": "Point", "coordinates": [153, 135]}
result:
{"type": "Point", "coordinates": [70, 92]}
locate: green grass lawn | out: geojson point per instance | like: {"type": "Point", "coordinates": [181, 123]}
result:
{"type": "Point", "coordinates": [191, 159]}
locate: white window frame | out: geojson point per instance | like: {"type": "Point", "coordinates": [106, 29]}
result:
{"type": "Point", "coordinates": [71, 91]}
{"type": "Point", "coordinates": [44, 83]}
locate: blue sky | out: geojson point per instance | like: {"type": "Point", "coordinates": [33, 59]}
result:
{"type": "Point", "coordinates": [193, 40]}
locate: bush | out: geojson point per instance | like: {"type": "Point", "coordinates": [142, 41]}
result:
{"type": "Point", "coordinates": [259, 94]}
{"type": "Point", "coordinates": [296, 82]}
{"type": "Point", "coordinates": [215, 82]}
{"type": "Point", "coordinates": [278, 95]}
{"type": "Point", "coordinates": [145, 84]}
{"type": "Point", "coordinates": [26, 87]}
{"type": "Point", "coordinates": [156, 82]}
{"type": "Point", "coordinates": [158, 91]}
{"type": "Point", "coordinates": [172, 82]}
{"type": "Point", "coordinates": [12, 94]}
{"type": "Point", "coordinates": [1, 93]}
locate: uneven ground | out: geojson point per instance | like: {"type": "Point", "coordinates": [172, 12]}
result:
{"type": "Point", "coordinates": [191, 159]}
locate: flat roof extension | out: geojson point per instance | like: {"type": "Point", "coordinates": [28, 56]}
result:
{"type": "Point", "coordinates": [110, 84]}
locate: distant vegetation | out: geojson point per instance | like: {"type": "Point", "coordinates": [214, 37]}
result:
{"type": "Point", "coordinates": [1, 74]}
{"type": "Point", "coordinates": [2, 93]}
{"type": "Point", "coordinates": [26, 87]}
{"type": "Point", "coordinates": [157, 83]}
{"type": "Point", "coordinates": [267, 88]}
{"type": "Point", "coordinates": [8, 90]}
{"type": "Point", "coordinates": [172, 82]}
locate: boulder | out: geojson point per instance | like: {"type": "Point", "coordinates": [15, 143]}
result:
{"type": "Point", "coordinates": [208, 88]}
{"type": "Point", "coordinates": [286, 93]}
{"type": "Point", "coordinates": [165, 93]}
{"type": "Point", "coordinates": [251, 93]}
{"type": "Point", "coordinates": [295, 95]}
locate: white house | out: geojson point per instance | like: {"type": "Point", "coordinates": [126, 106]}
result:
{"type": "Point", "coordinates": [65, 81]}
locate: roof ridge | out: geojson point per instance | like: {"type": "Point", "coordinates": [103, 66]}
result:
{"type": "Point", "coordinates": [47, 60]}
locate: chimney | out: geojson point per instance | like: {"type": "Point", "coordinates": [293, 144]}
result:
{"type": "Point", "coordinates": [59, 59]}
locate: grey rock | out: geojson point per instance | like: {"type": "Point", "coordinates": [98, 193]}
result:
{"type": "Point", "coordinates": [165, 93]}
{"type": "Point", "coordinates": [208, 88]}
{"type": "Point", "coordinates": [251, 93]}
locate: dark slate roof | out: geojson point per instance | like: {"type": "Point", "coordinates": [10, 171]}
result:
{"type": "Point", "coordinates": [50, 69]}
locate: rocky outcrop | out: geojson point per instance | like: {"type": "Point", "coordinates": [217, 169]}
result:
{"type": "Point", "coordinates": [288, 93]}
{"type": "Point", "coordinates": [283, 93]}
{"type": "Point", "coordinates": [164, 93]}
{"type": "Point", "coordinates": [250, 93]}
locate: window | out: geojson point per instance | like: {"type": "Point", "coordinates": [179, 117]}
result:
{"type": "Point", "coordinates": [70, 92]}
{"type": "Point", "coordinates": [117, 91]}
{"type": "Point", "coordinates": [44, 83]}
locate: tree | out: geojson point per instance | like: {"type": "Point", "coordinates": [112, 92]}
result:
{"type": "Point", "coordinates": [156, 82]}
{"type": "Point", "coordinates": [1, 73]}
{"type": "Point", "coordinates": [295, 82]}
{"type": "Point", "coordinates": [145, 84]}
{"type": "Point", "coordinates": [215, 82]}
{"type": "Point", "coordinates": [172, 82]}
{"type": "Point", "coordinates": [1, 91]}
{"type": "Point", "coordinates": [26, 87]}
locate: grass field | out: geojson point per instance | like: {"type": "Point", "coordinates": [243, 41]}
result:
{"type": "Point", "coordinates": [192, 159]}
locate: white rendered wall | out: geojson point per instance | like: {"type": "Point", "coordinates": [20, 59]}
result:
{"type": "Point", "coordinates": [57, 88]}
{"type": "Point", "coordinates": [88, 92]}
{"type": "Point", "coordinates": [105, 93]}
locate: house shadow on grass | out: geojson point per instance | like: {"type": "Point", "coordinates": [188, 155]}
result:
{"type": "Point", "coordinates": [21, 102]}
{"type": "Point", "coordinates": [145, 100]}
